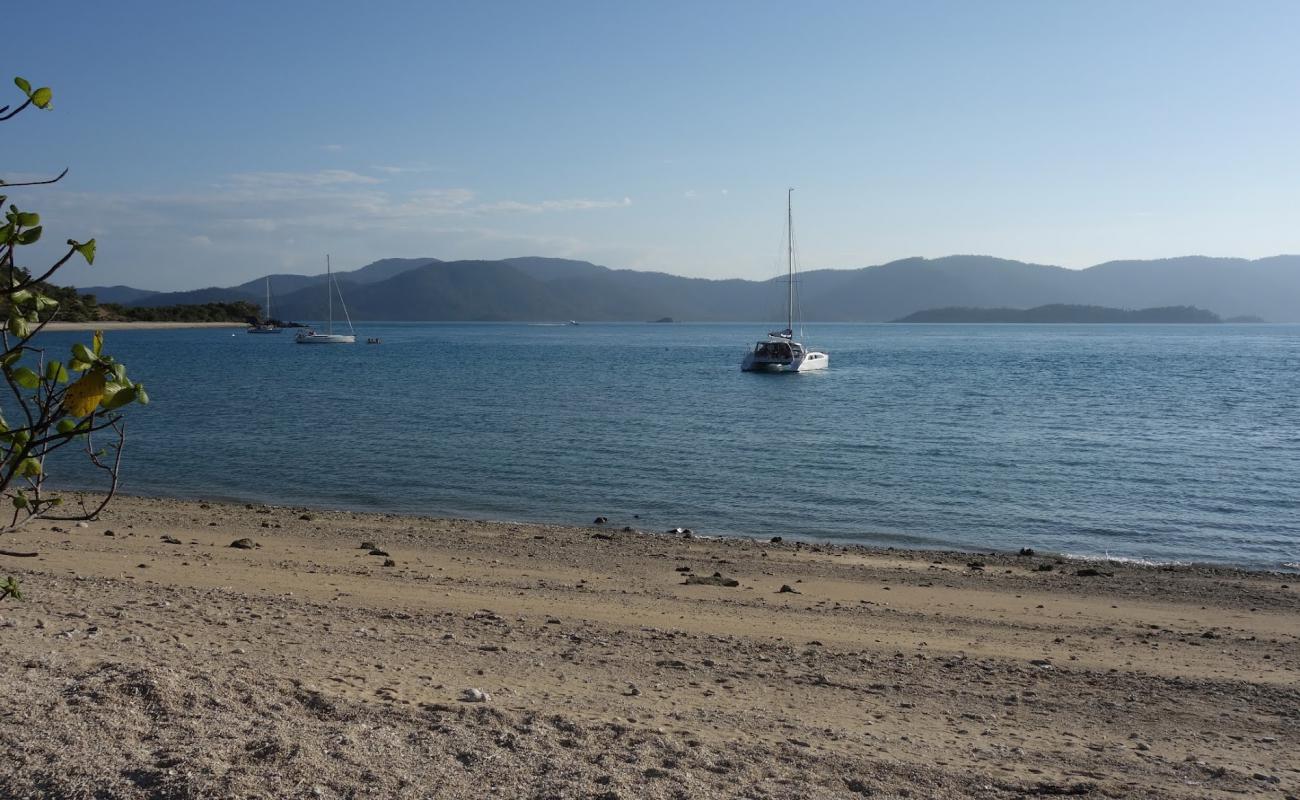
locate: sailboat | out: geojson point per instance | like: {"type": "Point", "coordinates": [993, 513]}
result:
{"type": "Point", "coordinates": [265, 326]}
{"type": "Point", "coordinates": [779, 352]}
{"type": "Point", "coordinates": [310, 336]}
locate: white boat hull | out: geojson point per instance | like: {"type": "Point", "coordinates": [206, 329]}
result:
{"type": "Point", "coordinates": [812, 360]}
{"type": "Point", "coordinates": [325, 338]}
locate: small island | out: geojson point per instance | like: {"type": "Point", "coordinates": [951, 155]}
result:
{"type": "Point", "coordinates": [1065, 314]}
{"type": "Point", "coordinates": [662, 319]}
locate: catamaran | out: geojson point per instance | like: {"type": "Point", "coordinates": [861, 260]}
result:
{"type": "Point", "coordinates": [779, 352]}
{"type": "Point", "coordinates": [266, 326]}
{"type": "Point", "coordinates": [310, 336]}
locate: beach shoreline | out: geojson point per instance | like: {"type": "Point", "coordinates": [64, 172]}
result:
{"type": "Point", "coordinates": [865, 547]}
{"type": "Point", "coordinates": [617, 665]}
{"type": "Point", "coordinates": [138, 326]}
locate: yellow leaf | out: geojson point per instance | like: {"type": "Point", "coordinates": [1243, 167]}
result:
{"type": "Point", "coordinates": [84, 395]}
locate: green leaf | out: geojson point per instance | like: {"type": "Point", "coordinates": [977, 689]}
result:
{"type": "Point", "coordinates": [97, 343]}
{"type": "Point", "coordinates": [141, 396]}
{"type": "Point", "coordinates": [42, 96]}
{"type": "Point", "coordinates": [28, 219]}
{"type": "Point", "coordinates": [25, 378]}
{"type": "Point", "coordinates": [19, 297]}
{"type": "Point", "coordinates": [55, 371]}
{"type": "Point", "coordinates": [30, 236]}
{"type": "Point", "coordinates": [67, 425]}
{"type": "Point", "coordinates": [28, 468]}
{"type": "Point", "coordinates": [77, 365]}
{"type": "Point", "coordinates": [87, 249]}
{"type": "Point", "coordinates": [19, 501]}
{"type": "Point", "coordinates": [22, 83]}
{"type": "Point", "coordinates": [10, 358]}
{"type": "Point", "coordinates": [119, 398]}
{"type": "Point", "coordinates": [82, 353]}
{"type": "Point", "coordinates": [18, 326]}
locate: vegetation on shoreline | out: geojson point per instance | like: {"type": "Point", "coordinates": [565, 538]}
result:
{"type": "Point", "coordinates": [77, 307]}
{"type": "Point", "coordinates": [207, 312]}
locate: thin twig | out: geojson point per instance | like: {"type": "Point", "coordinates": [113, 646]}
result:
{"type": "Point", "coordinates": [38, 183]}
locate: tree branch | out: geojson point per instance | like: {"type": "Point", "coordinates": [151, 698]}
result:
{"type": "Point", "coordinates": [37, 183]}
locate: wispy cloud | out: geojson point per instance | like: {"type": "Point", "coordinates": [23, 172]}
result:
{"type": "Point", "coordinates": [259, 219]}
{"type": "Point", "coordinates": [551, 205]}
{"type": "Point", "coordinates": [332, 148]}
{"type": "Point", "coordinates": [325, 177]}
{"type": "Point", "coordinates": [406, 169]}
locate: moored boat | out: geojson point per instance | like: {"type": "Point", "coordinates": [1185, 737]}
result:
{"type": "Point", "coordinates": [779, 352]}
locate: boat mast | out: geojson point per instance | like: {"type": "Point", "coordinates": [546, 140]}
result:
{"type": "Point", "coordinates": [268, 299]}
{"type": "Point", "coordinates": [789, 262]}
{"type": "Point", "coordinates": [329, 295]}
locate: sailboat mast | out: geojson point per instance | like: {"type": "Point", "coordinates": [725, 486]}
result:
{"type": "Point", "coordinates": [789, 261]}
{"type": "Point", "coordinates": [268, 298]}
{"type": "Point", "coordinates": [329, 294]}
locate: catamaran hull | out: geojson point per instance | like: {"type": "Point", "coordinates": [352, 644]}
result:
{"type": "Point", "coordinates": [324, 338]}
{"type": "Point", "coordinates": [806, 363]}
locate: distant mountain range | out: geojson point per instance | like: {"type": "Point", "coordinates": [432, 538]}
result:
{"type": "Point", "coordinates": [1058, 313]}
{"type": "Point", "coordinates": [542, 289]}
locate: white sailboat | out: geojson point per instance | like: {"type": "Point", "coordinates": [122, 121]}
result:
{"type": "Point", "coordinates": [310, 336]}
{"type": "Point", "coordinates": [265, 325]}
{"type": "Point", "coordinates": [779, 352]}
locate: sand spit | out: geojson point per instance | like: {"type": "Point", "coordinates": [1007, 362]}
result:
{"type": "Point", "coordinates": [138, 326]}
{"type": "Point", "coordinates": [337, 655]}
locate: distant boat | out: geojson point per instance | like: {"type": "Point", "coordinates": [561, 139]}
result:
{"type": "Point", "coordinates": [266, 326]}
{"type": "Point", "coordinates": [779, 352]}
{"type": "Point", "coordinates": [310, 336]}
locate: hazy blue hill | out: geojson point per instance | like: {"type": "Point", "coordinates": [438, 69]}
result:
{"type": "Point", "coordinates": [1268, 287]}
{"type": "Point", "coordinates": [533, 288]}
{"type": "Point", "coordinates": [197, 297]}
{"type": "Point", "coordinates": [282, 284]}
{"type": "Point", "coordinates": [1061, 313]}
{"type": "Point", "coordinates": [885, 292]}
{"type": "Point", "coordinates": [552, 269]}
{"type": "Point", "coordinates": [453, 290]}
{"type": "Point", "coordinates": [126, 295]}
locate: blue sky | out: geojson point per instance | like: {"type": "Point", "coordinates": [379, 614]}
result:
{"type": "Point", "coordinates": [213, 142]}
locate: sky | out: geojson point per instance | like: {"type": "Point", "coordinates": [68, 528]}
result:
{"type": "Point", "coordinates": [212, 142]}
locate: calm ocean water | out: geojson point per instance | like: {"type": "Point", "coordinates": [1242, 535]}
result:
{"type": "Point", "coordinates": [1154, 442]}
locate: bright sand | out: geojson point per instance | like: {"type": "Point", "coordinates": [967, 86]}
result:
{"type": "Point", "coordinates": [305, 667]}
{"type": "Point", "coordinates": [138, 326]}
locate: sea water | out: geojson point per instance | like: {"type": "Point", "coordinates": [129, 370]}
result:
{"type": "Point", "coordinates": [1170, 443]}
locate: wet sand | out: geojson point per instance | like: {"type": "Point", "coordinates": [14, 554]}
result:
{"type": "Point", "coordinates": [307, 666]}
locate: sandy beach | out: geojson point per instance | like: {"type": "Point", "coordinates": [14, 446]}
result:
{"type": "Point", "coordinates": [349, 655]}
{"type": "Point", "coordinates": [138, 326]}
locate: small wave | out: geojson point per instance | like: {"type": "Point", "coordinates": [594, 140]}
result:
{"type": "Point", "coordinates": [1136, 560]}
